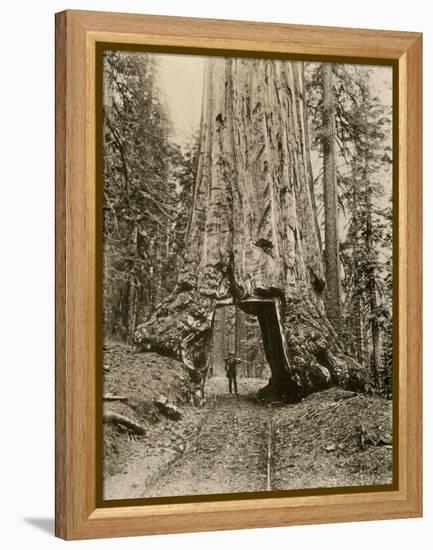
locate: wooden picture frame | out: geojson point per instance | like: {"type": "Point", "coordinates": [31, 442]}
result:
{"type": "Point", "coordinates": [78, 33]}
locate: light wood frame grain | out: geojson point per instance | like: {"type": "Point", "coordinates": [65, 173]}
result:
{"type": "Point", "coordinates": [77, 33]}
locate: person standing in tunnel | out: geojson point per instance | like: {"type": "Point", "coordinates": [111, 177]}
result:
{"type": "Point", "coordinates": [230, 368]}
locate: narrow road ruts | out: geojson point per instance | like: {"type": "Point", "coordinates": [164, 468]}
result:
{"type": "Point", "coordinates": [232, 454]}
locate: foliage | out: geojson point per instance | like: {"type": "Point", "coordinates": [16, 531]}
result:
{"type": "Point", "coordinates": [362, 134]}
{"type": "Point", "coordinates": [148, 195]}
{"type": "Point", "coordinates": [147, 192]}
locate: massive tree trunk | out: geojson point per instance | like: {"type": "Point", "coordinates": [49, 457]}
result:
{"type": "Point", "coordinates": [309, 163]}
{"type": "Point", "coordinates": [332, 252]}
{"type": "Point", "coordinates": [252, 239]}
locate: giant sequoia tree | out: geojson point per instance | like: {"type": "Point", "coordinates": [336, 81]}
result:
{"type": "Point", "coordinates": [252, 236]}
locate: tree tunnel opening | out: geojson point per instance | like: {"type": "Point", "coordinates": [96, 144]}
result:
{"type": "Point", "coordinates": [237, 332]}
{"type": "Point", "coordinates": [251, 330]}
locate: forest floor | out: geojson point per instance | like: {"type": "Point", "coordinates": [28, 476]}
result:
{"type": "Point", "coordinates": [230, 445]}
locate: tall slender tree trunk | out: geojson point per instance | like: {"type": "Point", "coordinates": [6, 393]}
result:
{"type": "Point", "coordinates": [332, 252]}
{"type": "Point", "coordinates": [239, 338]}
{"type": "Point", "coordinates": [219, 342]}
{"type": "Point", "coordinates": [239, 331]}
{"type": "Point", "coordinates": [356, 313]}
{"type": "Point", "coordinates": [132, 293]}
{"type": "Point", "coordinates": [377, 364]}
{"type": "Point", "coordinates": [223, 335]}
{"type": "Point", "coordinates": [252, 239]}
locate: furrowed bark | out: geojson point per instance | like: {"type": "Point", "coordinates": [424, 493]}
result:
{"type": "Point", "coordinates": [252, 238]}
{"type": "Point", "coordinates": [332, 252]}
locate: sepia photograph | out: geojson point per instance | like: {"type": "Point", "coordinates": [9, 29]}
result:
{"type": "Point", "coordinates": [248, 284]}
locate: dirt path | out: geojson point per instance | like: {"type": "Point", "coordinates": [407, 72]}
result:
{"type": "Point", "coordinates": [223, 447]}
{"type": "Point", "coordinates": [229, 454]}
